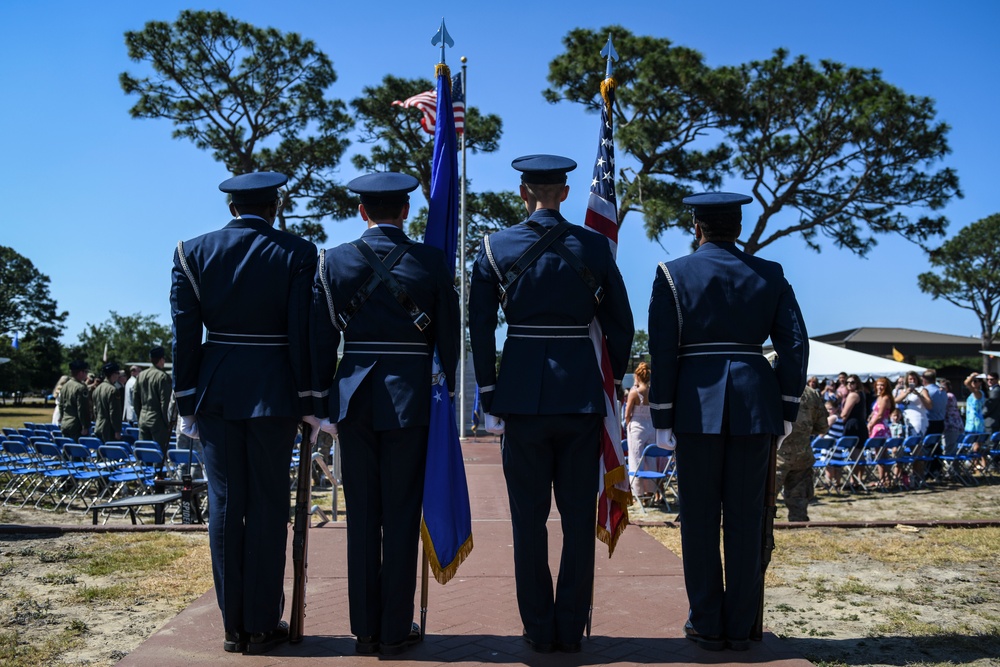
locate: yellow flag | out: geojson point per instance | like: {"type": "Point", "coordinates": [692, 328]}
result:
{"type": "Point", "coordinates": [896, 354]}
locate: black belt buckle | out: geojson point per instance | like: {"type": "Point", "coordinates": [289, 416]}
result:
{"type": "Point", "coordinates": [422, 321]}
{"type": "Point", "coordinates": [599, 295]}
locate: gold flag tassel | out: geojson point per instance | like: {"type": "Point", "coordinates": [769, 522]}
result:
{"type": "Point", "coordinates": [608, 86]}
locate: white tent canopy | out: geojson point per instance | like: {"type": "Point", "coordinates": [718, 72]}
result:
{"type": "Point", "coordinates": [827, 361]}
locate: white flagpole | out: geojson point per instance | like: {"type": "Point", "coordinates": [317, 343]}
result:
{"type": "Point", "coordinates": [461, 262]}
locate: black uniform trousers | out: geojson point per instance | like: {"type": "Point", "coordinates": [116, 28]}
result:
{"type": "Point", "coordinates": [542, 453]}
{"type": "Point", "coordinates": [383, 489]}
{"type": "Point", "coordinates": [722, 474]}
{"type": "Point", "coordinates": [247, 466]}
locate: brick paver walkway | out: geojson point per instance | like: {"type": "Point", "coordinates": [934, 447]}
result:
{"type": "Point", "coordinates": [638, 615]}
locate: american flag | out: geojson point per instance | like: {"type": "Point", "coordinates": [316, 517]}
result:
{"type": "Point", "coordinates": [602, 217]}
{"type": "Point", "coordinates": [427, 103]}
{"type": "Point", "coordinates": [602, 207]}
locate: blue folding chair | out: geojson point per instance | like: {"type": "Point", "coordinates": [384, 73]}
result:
{"type": "Point", "coordinates": [87, 474]}
{"type": "Point", "coordinates": [658, 477]}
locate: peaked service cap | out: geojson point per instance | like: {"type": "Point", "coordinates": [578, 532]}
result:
{"type": "Point", "coordinates": [716, 203]}
{"type": "Point", "coordinates": [543, 169]}
{"type": "Point", "coordinates": [256, 188]}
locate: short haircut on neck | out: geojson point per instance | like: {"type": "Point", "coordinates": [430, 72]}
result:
{"type": "Point", "coordinates": [545, 191]}
{"type": "Point", "coordinates": [385, 209]}
{"type": "Point", "coordinates": [259, 209]}
{"type": "Point", "coordinates": [720, 228]}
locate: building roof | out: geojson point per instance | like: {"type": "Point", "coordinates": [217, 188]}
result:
{"type": "Point", "coordinates": [895, 336]}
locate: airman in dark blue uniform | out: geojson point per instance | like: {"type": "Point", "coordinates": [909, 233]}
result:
{"type": "Point", "coordinates": [714, 392]}
{"type": "Point", "coordinates": [552, 279]}
{"type": "Point", "coordinates": [244, 388]}
{"type": "Point", "coordinates": [393, 300]}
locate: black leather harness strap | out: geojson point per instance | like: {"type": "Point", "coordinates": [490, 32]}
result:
{"type": "Point", "coordinates": [570, 258]}
{"type": "Point", "coordinates": [381, 275]}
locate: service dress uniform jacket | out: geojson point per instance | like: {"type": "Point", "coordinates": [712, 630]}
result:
{"type": "Point", "coordinates": [709, 314]}
{"type": "Point", "coordinates": [151, 402]}
{"type": "Point", "coordinates": [380, 395]}
{"type": "Point", "coordinates": [107, 411]}
{"type": "Point", "coordinates": [549, 392]}
{"type": "Point", "coordinates": [246, 381]}
{"type": "Point", "coordinates": [75, 408]}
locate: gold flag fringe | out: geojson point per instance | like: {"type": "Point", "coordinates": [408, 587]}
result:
{"type": "Point", "coordinates": [442, 68]}
{"type": "Point", "coordinates": [443, 574]}
{"type": "Point", "coordinates": [607, 87]}
{"type": "Point", "coordinates": [606, 536]}
{"type": "Point", "coordinates": [612, 478]}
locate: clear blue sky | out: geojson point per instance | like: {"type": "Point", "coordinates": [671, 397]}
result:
{"type": "Point", "coordinates": [83, 183]}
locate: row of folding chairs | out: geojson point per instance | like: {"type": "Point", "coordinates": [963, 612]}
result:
{"type": "Point", "coordinates": [48, 432]}
{"type": "Point", "coordinates": [846, 464]}
{"type": "Point", "coordinates": [72, 475]}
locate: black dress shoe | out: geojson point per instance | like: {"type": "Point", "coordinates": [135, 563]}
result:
{"type": "Point", "coordinates": [366, 645]}
{"type": "Point", "coordinates": [707, 642]}
{"type": "Point", "coordinates": [573, 647]}
{"type": "Point", "coordinates": [537, 647]}
{"type": "Point", "coordinates": [262, 642]}
{"type": "Point", "coordinates": [236, 642]}
{"type": "Point", "coordinates": [738, 644]}
{"type": "Point", "coordinates": [411, 640]}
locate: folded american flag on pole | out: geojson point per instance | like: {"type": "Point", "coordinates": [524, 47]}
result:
{"type": "Point", "coordinates": [427, 103]}
{"type": "Point", "coordinates": [602, 217]}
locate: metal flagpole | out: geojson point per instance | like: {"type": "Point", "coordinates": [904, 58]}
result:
{"type": "Point", "coordinates": [461, 262]}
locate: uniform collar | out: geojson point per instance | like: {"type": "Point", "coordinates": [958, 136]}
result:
{"type": "Point", "coordinates": [728, 246]}
{"type": "Point", "coordinates": [547, 215]}
{"type": "Point", "coordinates": [249, 222]}
{"type": "Point", "coordinates": [391, 232]}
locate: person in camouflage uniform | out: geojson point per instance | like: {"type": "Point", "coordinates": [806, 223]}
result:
{"type": "Point", "coordinates": [74, 403]}
{"type": "Point", "coordinates": [151, 401]}
{"type": "Point", "coordinates": [794, 474]}
{"type": "Point", "coordinates": [108, 405]}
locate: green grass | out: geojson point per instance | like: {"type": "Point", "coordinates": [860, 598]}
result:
{"type": "Point", "coordinates": [115, 593]}
{"type": "Point", "coordinates": [132, 553]}
{"type": "Point", "coordinates": [14, 417]}
{"type": "Point", "coordinates": [15, 652]}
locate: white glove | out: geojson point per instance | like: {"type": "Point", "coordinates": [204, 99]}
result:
{"type": "Point", "coordinates": [326, 426]}
{"type": "Point", "coordinates": [494, 425]}
{"type": "Point", "coordinates": [788, 431]}
{"type": "Point", "coordinates": [189, 427]}
{"type": "Point", "coordinates": [312, 421]}
{"type": "Point", "coordinates": [665, 439]}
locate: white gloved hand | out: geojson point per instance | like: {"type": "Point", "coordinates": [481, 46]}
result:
{"type": "Point", "coordinates": [326, 426]}
{"type": "Point", "coordinates": [314, 426]}
{"type": "Point", "coordinates": [189, 427]}
{"type": "Point", "coordinates": [788, 431]}
{"type": "Point", "coordinates": [665, 439]}
{"type": "Point", "coordinates": [494, 425]}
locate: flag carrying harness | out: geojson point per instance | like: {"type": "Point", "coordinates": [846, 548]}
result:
{"type": "Point", "coordinates": [381, 275]}
{"type": "Point", "coordinates": [547, 238]}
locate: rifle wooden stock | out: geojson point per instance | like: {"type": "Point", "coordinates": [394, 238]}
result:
{"type": "Point", "coordinates": [767, 536]}
{"type": "Point", "coordinates": [300, 538]}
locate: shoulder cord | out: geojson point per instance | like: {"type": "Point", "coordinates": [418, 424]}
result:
{"type": "Point", "coordinates": [187, 269]}
{"type": "Point", "coordinates": [677, 301]}
{"type": "Point", "coordinates": [326, 290]}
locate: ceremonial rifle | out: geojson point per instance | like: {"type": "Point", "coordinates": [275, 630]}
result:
{"type": "Point", "coordinates": [767, 535]}
{"type": "Point", "coordinates": [300, 537]}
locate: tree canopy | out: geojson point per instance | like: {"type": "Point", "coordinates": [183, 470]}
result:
{"type": "Point", "coordinates": [398, 143]}
{"type": "Point", "coordinates": [827, 149]}
{"type": "Point", "coordinates": [27, 308]}
{"type": "Point", "coordinates": [128, 339]}
{"type": "Point", "coordinates": [966, 274]}
{"type": "Point", "coordinates": [255, 97]}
